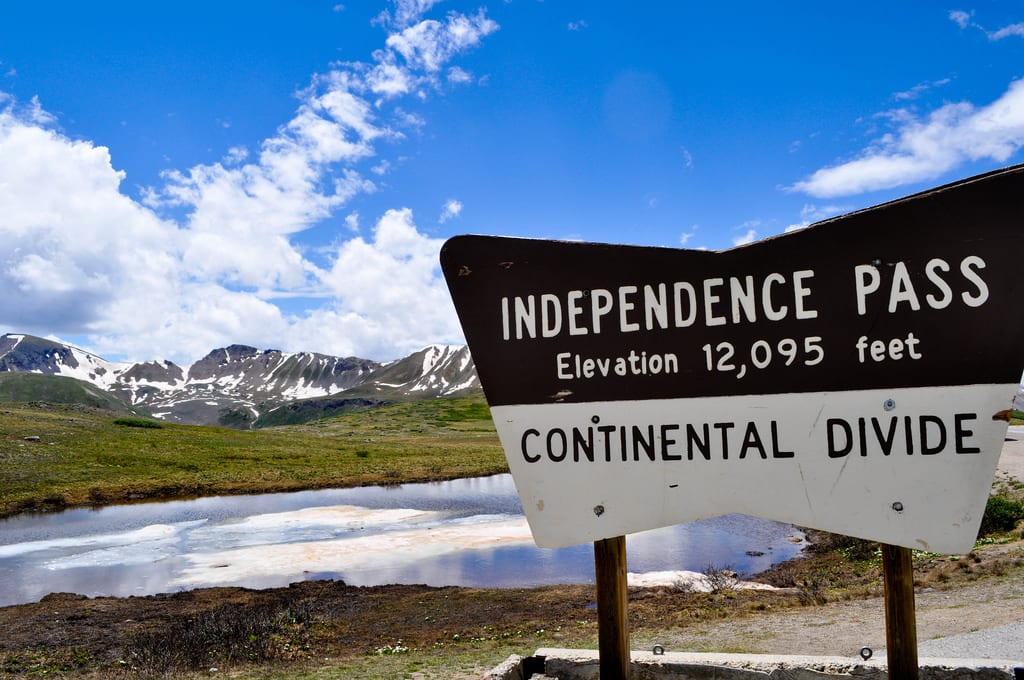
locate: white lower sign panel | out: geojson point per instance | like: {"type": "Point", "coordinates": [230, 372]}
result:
{"type": "Point", "coordinates": [906, 466]}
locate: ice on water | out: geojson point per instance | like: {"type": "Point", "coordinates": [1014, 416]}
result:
{"type": "Point", "coordinates": [353, 555]}
{"type": "Point", "coordinates": [333, 539]}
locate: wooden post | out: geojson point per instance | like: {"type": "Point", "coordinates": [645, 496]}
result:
{"type": "Point", "coordinates": [900, 622]}
{"type": "Point", "coordinates": [612, 596]}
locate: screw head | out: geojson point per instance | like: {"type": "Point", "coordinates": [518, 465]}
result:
{"type": "Point", "coordinates": [897, 506]}
{"type": "Point", "coordinates": [598, 510]}
{"type": "Point", "coordinates": [889, 404]}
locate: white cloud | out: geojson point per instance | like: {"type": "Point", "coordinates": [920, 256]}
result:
{"type": "Point", "coordinates": [451, 209]}
{"type": "Point", "coordinates": [388, 293]}
{"type": "Point", "coordinates": [1014, 30]}
{"type": "Point", "coordinates": [459, 76]}
{"type": "Point", "coordinates": [408, 12]}
{"type": "Point", "coordinates": [811, 213]}
{"type": "Point", "coordinates": [236, 155]}
{"type": "Point", "coordinates": [922, 149]}
{"type": "Point", "coordinates": [409, 119]}
{"type": "Point", "coordinates": [429, 44]}
{"type": "Point", "coordinates": [687, 158]}
{"type": "Point", "coordinates": [241, 215]}
{"type": "Point", "coordinates": [961, 18]}
{"type": "Point", "coordinates": [389, 79]}
{"type": "Point", "coordinates": [200, 261]}
{"type": "Point", "coordinates": [577, 25]}
{"type": "Point", "coordinates": [72, 247]}
{"type": "Point", "coordinates": [352, 221]}
{"type": "Point", "coordinates": [749, 236]}
{"type": "Point", "coordinates": [685, 237]}
{"type": "Point", "coordinates": [917, 90]}
{"type": "Point", "coordinates": [965, 19]}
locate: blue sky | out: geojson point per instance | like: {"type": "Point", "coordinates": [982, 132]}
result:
{"type": "Point", "coordinates": [178, 177]}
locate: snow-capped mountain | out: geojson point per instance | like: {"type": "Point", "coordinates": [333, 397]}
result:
{"type": "Point", "coordinates": [236, 385]}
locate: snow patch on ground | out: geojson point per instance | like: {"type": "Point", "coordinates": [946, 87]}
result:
{"type": "Point", "coordinates": [686, 580]}
{"type": "Point", "coordinates": [386, 550]}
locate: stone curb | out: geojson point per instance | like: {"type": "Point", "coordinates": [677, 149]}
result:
{"type": "Point", "coordinates": [582, 664]}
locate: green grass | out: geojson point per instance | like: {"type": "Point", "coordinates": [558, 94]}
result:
{"type": "Point", "coordinates": [52, 389]}
{"type": "Point", "coordinates": [86, 456]}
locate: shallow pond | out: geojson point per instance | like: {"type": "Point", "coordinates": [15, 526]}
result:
{"type": "Point", "coordinates": [468, 532]}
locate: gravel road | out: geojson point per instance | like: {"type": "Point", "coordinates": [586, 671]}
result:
{"type": "Point", "coordinates": [1002, 642]}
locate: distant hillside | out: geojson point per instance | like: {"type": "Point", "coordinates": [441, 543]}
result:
{"type": "Point", "coordinates": [33, 387]}
{"type": "Point", "coordinates": [243, 387]}
{"type": "Point", "coordinates": [309, 410]}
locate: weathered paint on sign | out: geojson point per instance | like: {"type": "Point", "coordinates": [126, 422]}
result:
{"type": "Point", "coordinates": [849, 376]}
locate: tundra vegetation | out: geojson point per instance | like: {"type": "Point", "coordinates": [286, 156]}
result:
{"type": "Point", "coordinates": [60, 456]}
{"type": "Point", "coordinates": [57, 456]}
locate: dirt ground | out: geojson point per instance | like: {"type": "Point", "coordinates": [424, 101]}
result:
{"type": "Point", "coordinates": [824, 605]}
{"type": "Point", "coordinates": [842, 628]}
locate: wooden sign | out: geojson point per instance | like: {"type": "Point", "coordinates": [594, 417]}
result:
{"type": "Point", "coordinates": [853, 376]}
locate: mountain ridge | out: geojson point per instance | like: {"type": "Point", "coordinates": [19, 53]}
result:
{"type": "Point", "coordinates": [238, 384]}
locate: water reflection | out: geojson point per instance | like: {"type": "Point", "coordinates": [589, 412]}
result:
{"type": "Point", "coordinates": [467, 532]}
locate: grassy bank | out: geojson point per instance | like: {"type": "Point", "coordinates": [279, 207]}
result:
{"type": "Point", "coordinates": [53, 457]}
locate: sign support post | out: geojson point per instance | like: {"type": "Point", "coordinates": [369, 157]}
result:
{"type": "Point", "coordinates": [612, 596]}
{"type": "Point", "coordinates": [900, 622]}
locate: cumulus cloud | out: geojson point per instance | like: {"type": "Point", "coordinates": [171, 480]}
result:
{"type": "Point", "coordinates": [919, 149]}
{"type": "Point", "coordinates": [68, 237]}
{"type": "Point", "coordinates": [400, 298]}
{"type": "Point", "coordinates": [206, 256]}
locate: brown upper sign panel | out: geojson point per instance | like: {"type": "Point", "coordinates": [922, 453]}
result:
{"type": "Point", "coordinates": [919, 292]}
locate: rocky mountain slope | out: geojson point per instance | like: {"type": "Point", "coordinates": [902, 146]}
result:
{"type": "Point", "coordinates": [239, 385]}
